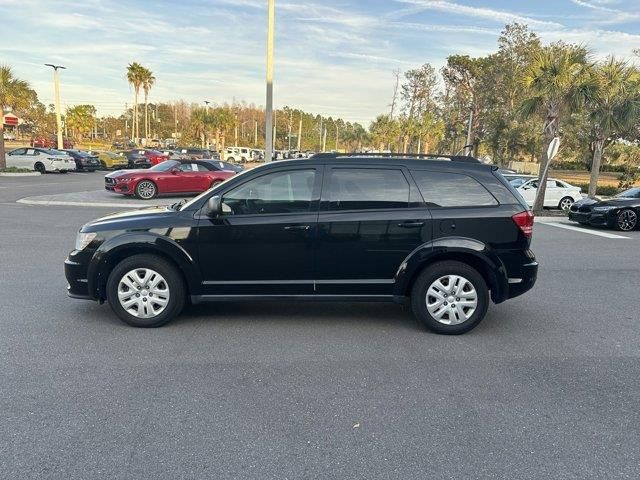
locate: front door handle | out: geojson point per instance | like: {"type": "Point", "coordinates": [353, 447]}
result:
{"type": "Point", "coordinates": [411, 224]}
{"type": "Point", "coordinates": [297, 228]}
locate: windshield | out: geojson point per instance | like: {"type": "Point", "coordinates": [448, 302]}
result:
{"type": "Point", "coordinates": [631, 193]}
{"type": "Point", "coordinates": [165, 166]}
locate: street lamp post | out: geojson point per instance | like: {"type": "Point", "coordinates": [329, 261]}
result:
{"type": "Point", "coordinates": [207, 102]}
{"type": "Point", "coordinates": [268, 138]}
{"type": "Point", "coordinates": [56, 92]}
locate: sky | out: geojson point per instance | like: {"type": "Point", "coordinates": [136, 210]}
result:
{"type": "Point", "coordinates": [332, 57]}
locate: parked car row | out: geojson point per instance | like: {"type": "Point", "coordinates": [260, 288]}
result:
{"type": "Point", "coordinates": [171, 176]}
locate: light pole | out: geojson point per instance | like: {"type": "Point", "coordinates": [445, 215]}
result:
{"type": "Point", "coordinates": [56, 92]}
{"type": "Point", "coordinates": [268, 138]}
{"type": "Point", "coordinates": [206, 119]}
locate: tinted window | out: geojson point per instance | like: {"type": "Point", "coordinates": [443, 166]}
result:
{"type": "Point", "coordinates": [451, 190]}
{"type": "Point", "coordinates": [279, 192]}
{"type": "Point", "coordinates": [366, 189]}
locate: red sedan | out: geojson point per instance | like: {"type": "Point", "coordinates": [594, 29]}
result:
{"type": "Point", "coordinates": [171, 176]}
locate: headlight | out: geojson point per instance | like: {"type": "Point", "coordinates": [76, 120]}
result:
{"type": "Point", "coordinates": [84, 239]}
{"type": "Point", "coordinates": [603, 209]}
{"type": "Point", "coordinates": [124, 179]}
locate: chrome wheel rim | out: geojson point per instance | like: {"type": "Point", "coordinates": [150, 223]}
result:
{"type": "Point", "coordinates": [451, 299]}
{"type": "Point", "coordinates": [627, 220]}
{"type": "Point", "coordinates": [146, 189]}
{"type": "Point", "coordinates": [143, 293]}
{"type": "Point", "coordinates": [565, 203]}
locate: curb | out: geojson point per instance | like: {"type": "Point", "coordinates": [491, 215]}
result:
{"type": "Point", "coordinates": [23, 174]}
{"type": "Point", "coordinates": [80, 204]}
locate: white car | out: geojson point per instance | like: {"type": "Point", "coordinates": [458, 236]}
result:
{"type": "Point", "coordinates": [41, 160]}
{"type": "Point", "coordinates": [559, 194]}
{"type": "Point", "coordinates": [238, 154]}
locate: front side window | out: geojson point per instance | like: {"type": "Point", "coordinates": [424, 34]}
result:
{"type": "Point", "coordinates": [367, 189]}
{"type": "Point", "coordinates": [440, 189]}
{"type": "Point", "coordinates": [278, 192]}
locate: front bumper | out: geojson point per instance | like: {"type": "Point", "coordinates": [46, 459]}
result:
{"type": "Point", "coordinates": [590, 218]}
{"type": "Point", "coordinates": [123, 188]}
{"type": "Point", "coordinates": [76, 275]}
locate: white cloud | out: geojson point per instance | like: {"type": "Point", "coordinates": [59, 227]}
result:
{"type": "Point", "coordinates": [478, 12]}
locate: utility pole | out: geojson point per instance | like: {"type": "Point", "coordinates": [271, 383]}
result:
{"type": "Point", "coordinates": [468, 147]}
{"type": "Point", "coordinates": [255, 134]}
{"type": "Point", "coordinates": [206, 102]}
{"type": "Point", "coordinates": [275, 128]}
{"type": "Point", "coordinates": [300, 132]}
{"type": "Point", "coordinates": [175, 122]}
{"type": "Point", "coordinates": [321, 149]}
{"type": "Point", "coordinates": [290, 121]}
{"type": "Point", "coordinates": [337, 136]}
{"type": "Point", "coordinates": [269, 107]}
{"type": "Point", "coordinates": [56, 92]}
{"type": "Point", "coordinates": [236, 130]}
{"type": "Point", "coordinates": [324, 139]}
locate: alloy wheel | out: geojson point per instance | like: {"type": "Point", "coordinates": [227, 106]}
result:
{"type": "Point", "coordinates": [451, 299]}
{"type": "Point", "coordinates": [146, 189]}
{"type": "Point", "coordinates": [143, 293]}
{"type": "Point", "coordinates": [627, 220]}
{"type": "Point", "coordinates": [565, 204]}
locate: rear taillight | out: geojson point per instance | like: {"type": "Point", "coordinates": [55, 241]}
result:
{"type": "Point", "coordinates": [524, 221]}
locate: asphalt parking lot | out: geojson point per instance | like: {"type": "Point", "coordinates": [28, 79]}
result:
{"type": "Point", "coordinates": [548, 386]}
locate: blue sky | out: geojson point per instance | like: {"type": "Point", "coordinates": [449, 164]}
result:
{"type": "Point", "coordinates": [333, 57]}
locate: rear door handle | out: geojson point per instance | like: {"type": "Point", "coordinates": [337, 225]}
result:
{"type": "Point", "coordinates": [297, 228]}
{"type": "Point", "coordinates": [411, 224]}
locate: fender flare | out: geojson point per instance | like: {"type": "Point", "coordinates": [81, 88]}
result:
{"type": "Point", "coordinates": [445, 248]}
{"type": "Point", "coordinates": [133, 243]}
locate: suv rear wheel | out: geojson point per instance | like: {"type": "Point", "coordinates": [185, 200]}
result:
{"type": "Point", "coordinates": [450, 297]}
{"type": "Point", "coordinates": [145, 291]}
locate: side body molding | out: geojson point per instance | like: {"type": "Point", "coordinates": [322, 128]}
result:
{"type": "Point", "coordinates": [450, 248]}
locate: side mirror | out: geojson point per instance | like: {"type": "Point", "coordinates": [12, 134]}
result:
{"type": "Point", "coordinates": [175, 171]}
{"type": "Point", "coordinates": [214, 206]}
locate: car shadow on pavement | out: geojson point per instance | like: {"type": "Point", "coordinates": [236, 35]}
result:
{"type": "Point", "coordinates": [298, 313]}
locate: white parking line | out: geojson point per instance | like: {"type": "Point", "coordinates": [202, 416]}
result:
{"type": "Point", "coordinates": [583, 230]}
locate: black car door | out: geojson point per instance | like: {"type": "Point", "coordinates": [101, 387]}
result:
{"type": "Point", "coordinates": [370, 220]}
{"type": "Point", "coordinates": [262, 243]}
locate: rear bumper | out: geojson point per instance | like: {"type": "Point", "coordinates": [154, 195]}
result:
{"type": "Point", "coordinates": [519, 285]}
{"type": "Point", "coordinates": [521, 269]}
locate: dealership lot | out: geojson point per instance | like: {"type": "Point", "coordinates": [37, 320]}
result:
{"type": "Point", "coordinates": [547, 386]}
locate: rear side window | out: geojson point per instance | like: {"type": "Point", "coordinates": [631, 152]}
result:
{"type": "Point", "coordinates": [443, 189]}
{"type": "Point", "coordinates": [367, 189]}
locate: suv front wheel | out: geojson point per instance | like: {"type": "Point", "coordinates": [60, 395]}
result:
{"type": "Point", "coordinates": [450, 297]}
{"type": "Point", "coordinates": [145, 291]}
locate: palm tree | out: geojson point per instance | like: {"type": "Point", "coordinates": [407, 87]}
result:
{"type": "Point", "coordinates": [612, 111]}
{"type": "Point", "coordinates": [147, 82]}
{"type": "Point", "coordinates": [384, 130]}
{"type": "Point", "coordinates": [199, 122]}
{"type": "Point", "coordinates": [223, 121]}
{"type": "Point", "coordinates": [14, 93]}
{"type": "Point", "coordinates": [558, 82]}
{"type": "Point", "coordinates": [135, 77]}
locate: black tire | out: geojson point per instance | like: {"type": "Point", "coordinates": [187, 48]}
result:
{"type": "Point", "coordinates": [146, 190]}
{"type": "Point", "coordinates": [626, 220]}
{"type": "Point", "coordinates": [565, 201]}
{"type": "Point", "coordinates": [215, 183]}
{"type": "Point", "coordinates": [103, 165]}
{"type": "Point", "coordinates": [173, 280]}
{"type": "Point", "coordinates": [434, 272]}
{"type": "Point", "coordinates": [39, 167]}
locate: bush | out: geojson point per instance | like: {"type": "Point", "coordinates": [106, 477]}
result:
{"type": "Point", "coordinates": [605, 190]}
{"type": "Point", "coordinates": [16, 170]}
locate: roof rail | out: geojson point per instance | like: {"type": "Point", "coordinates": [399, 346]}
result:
{"type": "Point", "coordinates": [428, 156]}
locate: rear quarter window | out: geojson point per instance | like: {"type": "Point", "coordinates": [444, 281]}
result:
{"type": "Point", "coordinates": [445, 189]}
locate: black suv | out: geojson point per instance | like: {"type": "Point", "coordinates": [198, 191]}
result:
{"type": "Point", "coordinates": [444, 234]}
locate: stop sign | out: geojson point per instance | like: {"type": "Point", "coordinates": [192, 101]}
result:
{"type": "Point", "coordinates": [10, 119]}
